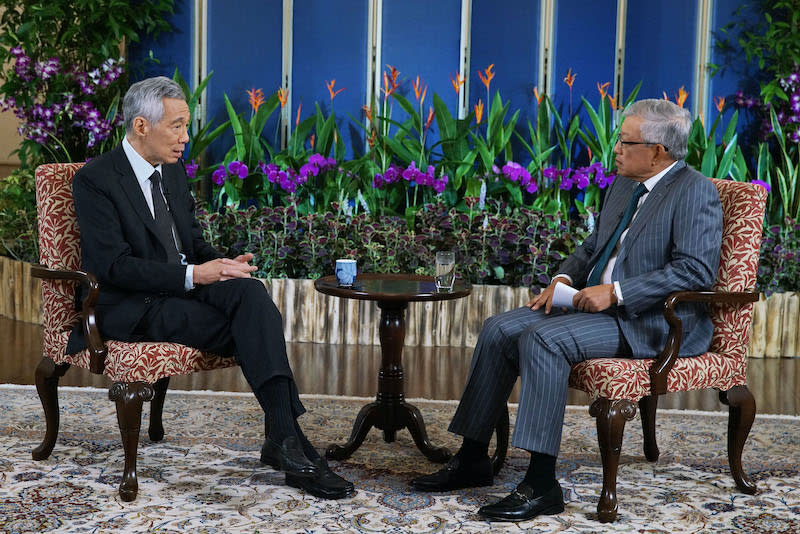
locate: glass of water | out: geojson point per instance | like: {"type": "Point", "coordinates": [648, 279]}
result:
{"type": "Point", "coordinates": [445, 270]}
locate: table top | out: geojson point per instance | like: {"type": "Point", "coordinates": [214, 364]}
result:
{"type": "Point", "coordinates": [391, 287]}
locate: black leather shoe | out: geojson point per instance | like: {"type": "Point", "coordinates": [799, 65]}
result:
{"type": "Point", "coordinates": [520, 504]}
{"type": "Point", "coordinates": [326, 485]}
{"type": "Point", "coordinates": [288, 457]}
{"type": "Point", "coordinates": [457, 474]}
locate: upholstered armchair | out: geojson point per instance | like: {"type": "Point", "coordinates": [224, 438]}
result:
{"type": "Point", "coordinates": [618, 384]}
{"type": "Point", "coordinates": [138, 371]}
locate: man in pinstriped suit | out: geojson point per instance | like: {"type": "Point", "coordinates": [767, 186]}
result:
{"type": "Point", "coordinates": [659, 231]}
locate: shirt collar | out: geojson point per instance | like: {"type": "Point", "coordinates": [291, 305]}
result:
{"type": "Point", "coordinates": [651, 182]}
{"type": "Point", "coordinates": [141, 167]}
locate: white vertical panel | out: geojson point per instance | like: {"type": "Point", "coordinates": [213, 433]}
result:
{"type": "Point", "coordinates": [286, 70]}
{"type": "Point", "coordinates": [464, 56]}
{"type": "Point", "coordinates": [374, 42]}
{"type": "Point", "coordinates": [619, 57]}
{"type": "Point", "coordinates": [702, 55]}
{"type": "Point", "coordinates": [546, 43]}
{"type": "Point", "coordinates": [199, 57]}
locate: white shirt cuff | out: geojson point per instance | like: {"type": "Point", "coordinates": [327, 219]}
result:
{"type": "Point", "coordinates": [188, 280]}
{"type": "Point", "coordinates": [562, 275]}
{"type": "Point", "coordinates": [618, 293]}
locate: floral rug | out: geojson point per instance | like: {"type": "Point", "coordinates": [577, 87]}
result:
{"type": "Point", "coordinates": [205, 476]}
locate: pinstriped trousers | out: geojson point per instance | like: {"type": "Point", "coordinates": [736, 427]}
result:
{"type": "Point", "coordinates": [540, 349]}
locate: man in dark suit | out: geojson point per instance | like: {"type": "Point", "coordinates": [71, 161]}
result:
{"type": "Point", "coordinates": [161, 281]}
{"type": "Point", "coordinates": [659, 231]}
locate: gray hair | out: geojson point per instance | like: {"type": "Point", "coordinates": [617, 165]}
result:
{"type": "Point", "coordinates": [144, 99]}
{"type": "Point", "coordinates": [663, 123]}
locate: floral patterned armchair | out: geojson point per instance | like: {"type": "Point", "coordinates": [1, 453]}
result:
{"type": "Point", "coordinates": [138, 371]}
{"type": "Point", "coordinates": [617, 384]}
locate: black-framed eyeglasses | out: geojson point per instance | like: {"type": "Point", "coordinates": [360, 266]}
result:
{"type": "Point", "coordinates": [629, 143]}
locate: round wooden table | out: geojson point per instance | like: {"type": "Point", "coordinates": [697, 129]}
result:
{"type": "Point", "coordinates": [390, 412]}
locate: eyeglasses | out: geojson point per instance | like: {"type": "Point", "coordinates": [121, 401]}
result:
{"type": "Point", "coordinates": [624, 144]}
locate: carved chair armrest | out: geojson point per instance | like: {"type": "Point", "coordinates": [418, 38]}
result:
{"type": "Point", "coordinates": [663, 364]}
{"type": "Point", "coordinates": [97, 348]}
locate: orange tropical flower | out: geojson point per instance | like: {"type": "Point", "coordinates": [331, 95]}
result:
{"type": "Point", "coordinates": [283, 96]}
{"type": "Point", "coordinates": [602, 89]}
{"type": "Point", "coordinates": [372, 137]}
{"type": "Point", "coordinates": [538, 96]}
{"type": "Point", "coordinates": [569, 79]}
{"type": "Point", "coordinates": [478, 111]}
{"type": "Point", "coordinates": [613, 101]}
{"type": "Point", "coordinates": [458, 82]}
{"type": "Point", "coordinates": [665, 95]}
{"type": "Point", "coordinates": [589, 150]}
{"type": "Point", "coordinates": [719, 102]}
{"type": "Point", "coordinates": [395, 74]}
{"type": "Point", "coordinates": [256, 98]}
{"type": "Point", "coordinates": [330, 85]}
{"type": "Point", "coordinates": [486, 76]}
{"type": "Point", "coordinates": [297, 118]}
{"type": "Point", "coordinates": [681, 97]}
{"type": "Point", "coordinates": [312, 139]}
{"type": "Point", "coordinates": [429, 120]}
{"type": "Point", "coordinates": [367, 112]}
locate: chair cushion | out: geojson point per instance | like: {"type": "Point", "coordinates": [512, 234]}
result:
{"type": "Point", "coordinates": [141, 362]}
{"type": "Point", "coordinates": [618, 378]}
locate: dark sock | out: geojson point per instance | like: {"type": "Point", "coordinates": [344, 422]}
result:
{"type": "Point", "coordinates": [472, 450]}
{"type": "Point", "coordinates": [541, 474]}
{"type": "Point", "coordinates": [275, 394]}
{"type": "Point", "coordinates": [308, 449]}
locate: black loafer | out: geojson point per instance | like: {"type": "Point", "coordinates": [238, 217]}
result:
{"type": "Point", "coordinates": [288, 457]}
{"type": "Point", "coordinates": [457, 474]}
{"type": "Point", "coordinates": [520, 504]}
{"type": "Point", "coordinates": [326, 485]}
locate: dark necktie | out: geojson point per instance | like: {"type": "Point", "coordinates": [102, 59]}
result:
{"type": "Point", "coordinates": [600, 266]}
{"type": "Point", "coordinates": [163, 219]}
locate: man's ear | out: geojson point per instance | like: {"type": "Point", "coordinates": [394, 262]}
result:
{"type": "Point", "coordinates": [140, 126]}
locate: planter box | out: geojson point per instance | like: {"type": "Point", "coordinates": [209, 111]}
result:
{"type": "Point", "coordinates": [312, 317]}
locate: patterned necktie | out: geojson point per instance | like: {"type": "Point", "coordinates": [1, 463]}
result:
{"type": "Point", "coordinates": [163, 219]}
{"type": "Point", "coordinates": [600, 266]}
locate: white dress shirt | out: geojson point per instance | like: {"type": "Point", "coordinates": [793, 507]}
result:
{"type": "Point", "coordinates": [143, 171]}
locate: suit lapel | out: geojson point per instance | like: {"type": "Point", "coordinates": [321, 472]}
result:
{"type": "Point", "coordinates": [130, 185]}
{"type": "Point", "coordinates": [652, 203]}
{"type": "Point", "coordinates": [613, 209]}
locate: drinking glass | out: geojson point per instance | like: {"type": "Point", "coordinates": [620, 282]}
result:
{"type": "Point", "coordinates": [445, 270]}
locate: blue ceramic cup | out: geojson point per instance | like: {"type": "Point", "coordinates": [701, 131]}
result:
{"type": "Point", "coordinates": [345, 272]}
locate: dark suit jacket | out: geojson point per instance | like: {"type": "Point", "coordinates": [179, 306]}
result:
{"type": "Point", "coordinates": [673, 244]}
{"type": "Point", "coordinates": [120, 244]}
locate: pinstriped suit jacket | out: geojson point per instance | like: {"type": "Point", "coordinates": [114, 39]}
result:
{"type": "Point", "coordinates": [673, 244]}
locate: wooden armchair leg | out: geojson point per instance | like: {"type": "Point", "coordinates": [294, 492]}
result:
{"type": "Point", "coordinates": [156, 429]}
{"type": "Point", "coordinates": [501, 442]}
{"type": "Point", "coordinates": [47, 375]}
{"type": "Point", "coordinates": [611, 416]}
{"type": "Point", "coordinates": [741, 413]}
{"type": "Point", "coordinates": [129, 398]}
{"type": "Point", "coordinates": [647, 408]}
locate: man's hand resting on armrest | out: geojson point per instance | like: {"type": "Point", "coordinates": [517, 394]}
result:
{"type": "Point", "coordinates": [223, 269]}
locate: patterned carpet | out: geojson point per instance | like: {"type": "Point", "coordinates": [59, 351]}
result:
{"type": "Point", "coordinates": [205, 477]}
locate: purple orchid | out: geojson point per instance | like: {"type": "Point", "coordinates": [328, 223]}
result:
{"type": "Point", "coordinates": [191, 169]}
{"type": "Point", "coordinates": [238, 169]}
{"type": "Point", "coordinates": [219, 175]}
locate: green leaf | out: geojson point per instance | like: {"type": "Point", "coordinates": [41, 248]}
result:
{"type": "Point", "coordinates": [236, 125]}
